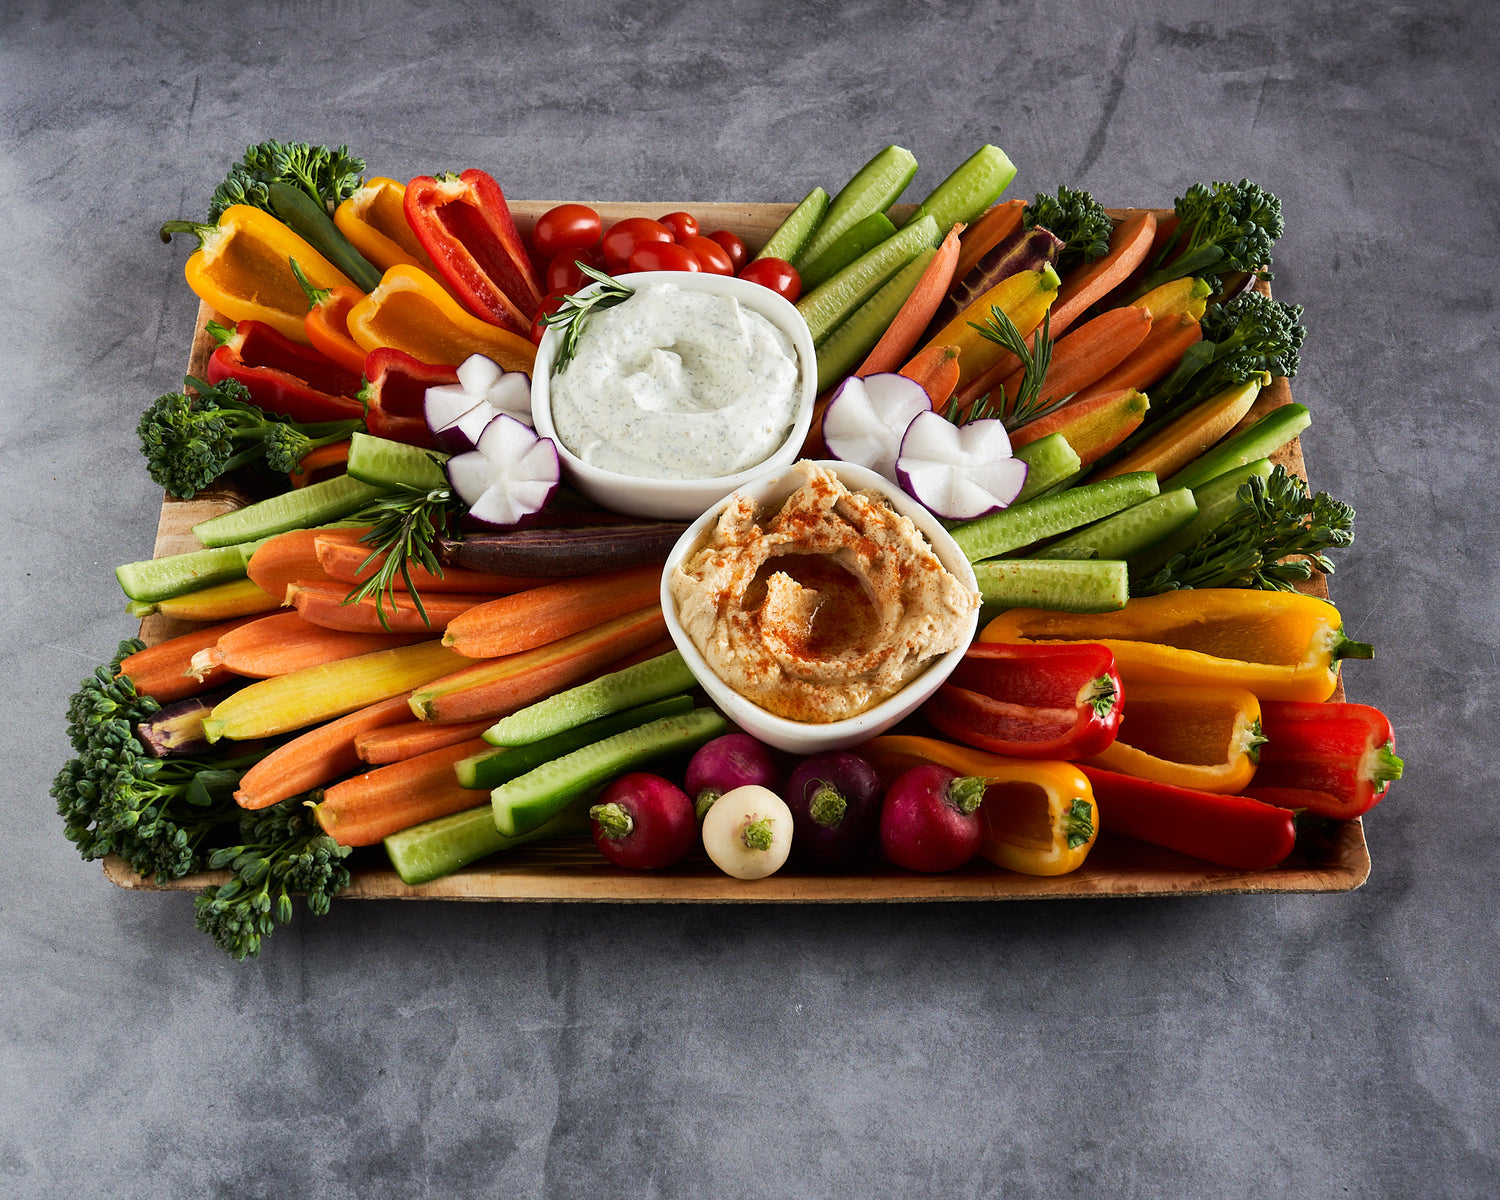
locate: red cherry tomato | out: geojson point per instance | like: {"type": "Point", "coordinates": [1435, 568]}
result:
{"type": "Point", "coordinates": [621, 239]}
{"type": "Point", "coordinates": [775, 273]}
{"type": "Point", "coordinates": [711, 256]}
{"type": "Point", "coordinates": [682, 224]}
{"type": "Point", "coordinates": [566, 227]}
{"type": "Point", "coordinates": [550, 304]}
{"type": "Point", "coordinates": [563, 273]}
{"type": "Point", "coordinates": [663, 256]}
{"type": "Point", "coordinates": [733, 246]}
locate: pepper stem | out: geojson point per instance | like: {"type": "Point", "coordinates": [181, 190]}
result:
{"type": "Point", "coordinates": [827, 806]}
{"type": "Point", "coordinates": [198, 229]}
{"type": "Point", "coordinates": [757, 834]}
{"type": "Point", "coordinates": [967, 793]}
{"type": "Point", "coordinates": [615, 822]}
{"type": "Point", "coordinates": [1078, 822]}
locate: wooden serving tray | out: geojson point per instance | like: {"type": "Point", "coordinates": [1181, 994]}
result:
{"type": "Point", "coordinates": [1333, 859]}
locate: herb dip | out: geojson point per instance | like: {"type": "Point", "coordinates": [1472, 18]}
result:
{"type": "Point", "coordinates": [674, 384]}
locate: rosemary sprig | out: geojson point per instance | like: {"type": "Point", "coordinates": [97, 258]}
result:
{"type": "Point", "coordinates": [1027, 406]}
{"type": "Point", "coordinates": [575, 310]}
{"type": "Point", "coordinates": [404, 526]}
{"type": "Point", "coordinates": [1274, 540]}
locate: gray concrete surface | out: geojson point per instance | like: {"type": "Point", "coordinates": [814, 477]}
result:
{"type": "Point", "coordinates": [1302, 1046]}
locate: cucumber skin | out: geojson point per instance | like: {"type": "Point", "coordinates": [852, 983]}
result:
{"type": "Point", "coordinates": [1062, 585]}
{"type": "Point", "coordinates": [793, 233]}
{"type": "Point", "coordinates": [385, 464]}
{"type": "Point", "coordinates": [1129, 531]}
{"type": "Point", "coordinates": [158, 579]}
{"type": "Point", "coordinates": [874, 188]}
{"type": "Point", "coordinates": [1269, 434]}
{"type": "Point", "coordinates": [825, 307]}
{"type": "Point", "coordinates": [1021, 525]}
{"type": "Point", "coordinates": [1049, 460]}
{"type": "Point", "coordinates": [1215, 499]}
{"type": "Point", "coordinates": [317, 504]}
{"type": "Point", "coordinates": [530, 800]}
{"type": "Point", "coordinates": [856, 335]}
{"type": "Point", "coordinates": [859, 239]}
{"type": "Point", "coordinates": [437, 848]}
{"type": "Point", "coordinates": [630, 687]}
{"type": "Point", "coordinates": [974, 185]}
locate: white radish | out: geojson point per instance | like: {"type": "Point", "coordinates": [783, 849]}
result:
{"type": "Point", "coordinates": [866, 418]}
{"type": "Point", "coordinates": [457, 413]}
{"type": "Point", "coordinates": [959, 472]}
{"type": "Point", "coordinates": [748, 832]}
{"type": "Point", "coordinates": [510, 474]}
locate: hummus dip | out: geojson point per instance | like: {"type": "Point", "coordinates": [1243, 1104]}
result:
{"type": "Point", "coordinates": [823, 608]}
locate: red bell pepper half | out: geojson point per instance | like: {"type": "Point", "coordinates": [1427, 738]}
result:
{"type": "Point", "coordinates": [1336, 760]}
{"type": "Point", "coordinates": [283, 376]}
{"type": "Point", "coordinates": [1231, 831]}
{"type": "Point", "coordinates": [1031, 701]}
{"type": "Point", "coordinates": [465, 225]}
{"type": "Point", "coordinates": [395, 389]}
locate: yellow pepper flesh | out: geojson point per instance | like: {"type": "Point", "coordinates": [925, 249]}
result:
{"type": "Point", "coordinates": [373, 218]}
{"type": "Point", "coordinates": [1201, 736]}
{"type": "Point", "coordinates": [1279, 645]}
{"type": "Point", "coordinates": [1038, 816]}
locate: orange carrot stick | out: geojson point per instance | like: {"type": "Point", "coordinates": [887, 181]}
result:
{"type": "Point", "coordinates": [936, 369]}
{"type": "Point", "coordinates": [396, 743]}
{"type": "Point", "coordinates": [362, 810]}
{"type": "Point", "coordinates": [495, 687]}
{"type": "Point", "coordinates": [511, 624]}
{"type": "Point", "coordinates": [284, 642]}
{"type": "Point", "coordinates": [286, 558]}
{"type": "Point", "coordinates": [163, 671]}
{"type": "Point", "coordinates": [316, 757]}
{"type": "Point", "coordinates": [986, 233]}
{"type": "Point", "coordinates": [322, 603]}
{"type": "Point", "coordinates": [1089, 283]}
{"type": "Point", "coordinates": [341, 558]}
{"type": "Point", "coordinates": [911, 320]}
{"type": "Point", "coordinates": [1093, 427]}
{"type": "Point", "coordinates": [1088, 353]}
{"type": "Point", "coordinates": [1158, 353]}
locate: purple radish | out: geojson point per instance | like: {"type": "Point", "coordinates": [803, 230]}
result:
{"type": "Point", "coordinates": [728, 762]}
{"type": "Point", "coordinates": [643, 822]}
{"type": "Point", "coordinates": [510, 474]}
{"type": "Point", "coordinates": [959, 471]}
{"type": "Point", "coordinates": [930, 819]}
{"type": "Point", "coordinates": [457, 413]}
{"type": "Point", "coordinates": [866, 419]}
{"type": "Point", "coordinates": [835, 802]}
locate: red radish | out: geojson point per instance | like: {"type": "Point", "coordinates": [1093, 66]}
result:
{"type": "Point", "coordinates": [867, 417]}
{"type": "Point", "coordinates": [510, 474]}
{"type": "Point", "coordinates": [835, 802]}
{"type": "Point", "coordinates": [643, 822]}
{"type": "Point", "coordinates": [959, 472]}
{"type": "Point", "coordinates": [748, 832]}
{"type": "Point", "coordinates": [726, 763]}
{"type": "Point", "coordinates": [930, 819]}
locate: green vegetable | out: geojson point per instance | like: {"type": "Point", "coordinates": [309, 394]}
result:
{"type": "Point", "coordinates": [1223, 229]}
{"type": "Point", "coordinates": [874, 188]}
{"type": "Point", "coordinates": [190, 440]}
{"type": "Point", "coordinates": [439, 847]}
{"type": "Point", "coordinates": [1265, 437]}
{"type": "Point", "coordinates": [157, 579]}
{"type": "Point", "coordinates": [306, 216]}
{"type": "Point", "coordinates": [792, 234]}
{"type": "Point", "coordinates": [1046, 516]}
{"type": "Point", "coordinates": [281, 850]}
{"type": "Point", "coordinates": [975, 184]}
{"type": "Point", "coordinates": [1049, 460]}
{"type": "Point", "coordinates": [1077, 219]}
{"type": "Point", "coordinates": [824, 307]}
{"type": "Point", "coordinates": [856, 335]}
{"type": "Point", "coordinates": [654, 679]}
{"type": "Point", "coordinates": [1274, 540]}
{"type": "Point", "coordinates": [860, 238]}
{"type": "Point", "coordinates": [1128, 531]}
{"type": "Point", "coordinates": [320, 503]}
{"type": "Point", "coordinates": [383, 463]}
{"type": "Point", "coordinates": [1062, 584]}
{"type": "Point", "coordinates": [328, 177]}
{"type": "Point", "coordinates": [1216, 500]}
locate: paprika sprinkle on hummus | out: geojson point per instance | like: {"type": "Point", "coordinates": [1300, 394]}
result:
{"type": "Point", "coordinates": [823, 608]}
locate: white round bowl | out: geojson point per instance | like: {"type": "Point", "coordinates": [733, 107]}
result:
{"type": "Point", "coordinates": [681, 499]}
{"type": "Point", "coordinates": [803, 737]}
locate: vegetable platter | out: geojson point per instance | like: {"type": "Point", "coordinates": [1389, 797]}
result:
{"type": "Point", "coordinates": [1331, 857]}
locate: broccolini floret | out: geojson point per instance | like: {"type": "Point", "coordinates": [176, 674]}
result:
{"type": "Point", "coordinates": [1077, 219]}
{"type": "Point", "coordinates": [328, 176]}
{"type": "Point", "coordinates": [1222, 229]}
{"type": "Point", "coordinates": [191, 438]}
{"type": "Point", "coordinates": [1241, 338]}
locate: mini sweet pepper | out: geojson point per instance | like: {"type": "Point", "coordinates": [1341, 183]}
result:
{"type": "Point", "coordinates": [1336, 760]}
{"type": "Point", "coordinates": [283, 376]}
{"type": "Point", "coordinates": [1204, 736]}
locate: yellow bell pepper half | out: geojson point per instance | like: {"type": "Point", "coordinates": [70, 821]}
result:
{"type": "Point", "coordinates": [373, 218]}
{"type": "Point", "coordinates": [1279, 645]}
{"type": "Point", "coordinates": [1201, 736]}
{"type": "Point", "coordinates": [1038, 816]}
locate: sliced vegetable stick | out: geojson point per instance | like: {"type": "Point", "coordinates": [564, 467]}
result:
{"type": "Point", "coordinates": [936, 369]}
{"type": "Point", "coordinates": [903, 333]}
{"type": "Point", "coordinates": [986, 233]}
{"type": "Point", "coordinates": [324, 604]}
{"type": "Point", "coordinates": [218, 602]}
{"type": "Point", "coordinates": [1087, 353]}
{"type": "Point", "coordinates": [1086, 285]}
{"type": "Point", "coordinates": [284, 642]}
{"type": "Point", "coordinates": [1151, 361]}
{"type": "Point", "coordinates": [342, 558]}
{"type": "Point", "coordinates": [162, 671]}
{"type": "Point", "coordinates": [1093, 427]}
{"type": "Point", "coordinates": [314, 758]}
{"type": "Point", "coordinates": [284, 559]}
{"type": "Point", "coordinates": [396, 743]}
{"type": "Point", "coordinates": [498, 686]}
{"type": "Point", "coordinates": [362, 810]}
{"type": "Point", "coordinates": [318, 459]}
{"type": "Point", "coordinates": [543, 615]}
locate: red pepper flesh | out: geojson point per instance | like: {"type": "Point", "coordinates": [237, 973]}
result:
{"type": "Point", "coordinates": [1231, 831]}
{"type": "Point", "coordinates": [1335, 759]}
{"type": "Point", "coordinates": [466, 227]}
{"type": "Point", "coordinates": [1031, 700]}
{"type": "Point", "coordinates": [395, 392]}
{"type": "Point", "coordinates": [283, 376]}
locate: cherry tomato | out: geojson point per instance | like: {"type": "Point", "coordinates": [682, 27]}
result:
{"type": "Point", "coordinates": [775, 273]}
{"type": "Point", "coordinates": [711, 256]}
{"type": "Point", "coordinates": [621, 239]}
{"type": "Point", "coordinates": [563, 273]}
{"type": "Point", "coordinates": [682, 224]}
{"type": "Point", "coordinates": [566, 227]}
{"type": "Point", "coordinates": [733, 245]}
{"type": "Point", "coordinates": [550, 304]}
{"type": "Point", "coordinates": [663, 256]}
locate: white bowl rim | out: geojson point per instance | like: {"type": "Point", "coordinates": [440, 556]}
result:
{"type": "Point", "coordinates": [783, 731]}
{"type": "Point", "coordinates": [770, 304]}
